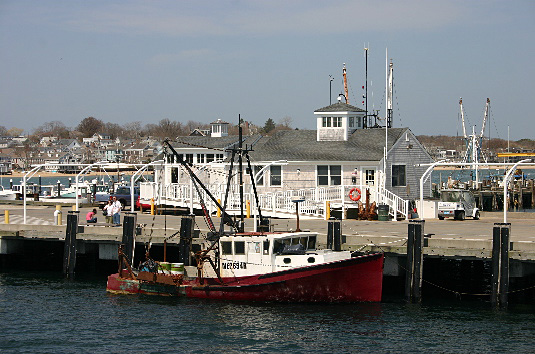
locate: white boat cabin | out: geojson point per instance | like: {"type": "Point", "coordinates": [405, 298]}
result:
{"type": "Point", "coordinates": [245, 255]}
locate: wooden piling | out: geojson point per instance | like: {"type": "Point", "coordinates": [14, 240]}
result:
{"type": "Point", "coordinates": [129, 235]}
{"type": "Point", "coordinates": [69, 250]}
{"type": "Point", "coordinates": [413, 280]}
{"type": "Point", "coordinates": [186, 235]}
{"type": "Point", "coordinates": [334, 235]}
{"type": "Point", "coordinates": [500, 264]}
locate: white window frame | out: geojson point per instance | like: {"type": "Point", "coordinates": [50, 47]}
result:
{"type": "Point", "coordinates": [329, 175]}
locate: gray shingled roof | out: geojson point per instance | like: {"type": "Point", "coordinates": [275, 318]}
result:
{"type": "Point", "coordinates": [301, 145]}
{"type": "Point", "coordinates": [340, 107]}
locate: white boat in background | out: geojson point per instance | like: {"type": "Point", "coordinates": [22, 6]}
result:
{"type": "Point", "coordinates": [7, 194]}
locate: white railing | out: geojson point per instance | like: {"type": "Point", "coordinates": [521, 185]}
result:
{"type": "Point", "coordinates": [271, 202]}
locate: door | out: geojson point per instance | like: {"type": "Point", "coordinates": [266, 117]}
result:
{"type": "Point", "coordinates": [369, 176]}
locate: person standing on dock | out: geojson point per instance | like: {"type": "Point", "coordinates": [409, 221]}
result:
{"type": "Point", "coordinates": [107, 212]}
{"type": "Point", "coordinates": [116, 207]}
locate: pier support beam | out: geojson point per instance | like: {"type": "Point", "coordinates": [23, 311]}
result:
{"type": "Point", "coordinates": [69, 253]}
{"type": "Point", "coordinates": [500, 264]}
{"type": "Point", "coordinates": [129, 235]}
{"type": "Point", "coordinates": [415, 243]}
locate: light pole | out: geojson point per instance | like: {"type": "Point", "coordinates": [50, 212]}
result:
{"type": "Point", "coordinates": [505, 183]}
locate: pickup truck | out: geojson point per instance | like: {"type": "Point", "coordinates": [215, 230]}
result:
{"type": "Point", "coordinates": [122, 193]}
{"type": "Point", "coordinates": [457, 203]}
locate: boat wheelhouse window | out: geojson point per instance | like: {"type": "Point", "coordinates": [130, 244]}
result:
{"type": "Point", "coordinates": [254, 247]}
{"type": "Point", "coordinates": [226, 247]}
{"type": "Point", "coordinates": [398, 176]}
{"type": "Point", "coordinates": [275, 175]}
{"type": "Point", "coordinates": [209, 158]}
{"type": "Point", "coordinates": [311, 243]}
{"type": "Point", "coordinates": [239, 247]}
{"type": "Point", "coordinates": [219, 157]}
{"type": "Point", "coordinates": [200, 158]}
{"type": "Point", "coordinates": [266, 247]}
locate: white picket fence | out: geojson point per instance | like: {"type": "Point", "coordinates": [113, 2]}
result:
{"type": "Point", "coordinates": [279, 203]}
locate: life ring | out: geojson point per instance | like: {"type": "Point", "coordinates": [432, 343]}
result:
{"type": "Point", "coordinates": [352, 197]}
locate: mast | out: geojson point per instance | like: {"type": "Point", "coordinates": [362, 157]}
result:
{"type": "Point", "coordinates": [365, 122]}
{"type": "Point", "coordinates": [389, 93]}
{"type": "Point", "coordinates": [240, 173]}
{"type": "Point", "coordinates": [345, 84]}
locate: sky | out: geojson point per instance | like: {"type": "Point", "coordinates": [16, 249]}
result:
{"type": "Point", "coordinates": [128, 61]}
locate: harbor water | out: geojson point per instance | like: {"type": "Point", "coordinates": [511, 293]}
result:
{"type": "Point", "coordinates": [43, 313]}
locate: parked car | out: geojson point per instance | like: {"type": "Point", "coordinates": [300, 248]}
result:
{"type": "Point", "coordinates": [457, 203]}
{"type": "Point", "coordinates": [122, 193]}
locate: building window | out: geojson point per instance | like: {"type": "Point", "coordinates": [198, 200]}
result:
{"type": "Point", "coordinates": [260, 179]}
{"type": "Point", "coordinates": [326, 122]}
{"type": "Point", "coordinates": [275, 175]}
{"type": "Point", "coordinates": [351, 122]}
{"type": "Point", "coordinates": [329, 175]}
{"type": "Point", "coordinates": [398, 176]}
{"type": "Point", "coordinates": [200, 158]}
{"type": "Point", "coordinates": [337, 122]}
{"type": "Point", "coordinates": [189, 159]}
{"type": "Point", "coordinates": [219, 157]}
{"type": "Point", "coordinates": [209, 158]}
{"type": "Point", "coordinates": [359, 122]}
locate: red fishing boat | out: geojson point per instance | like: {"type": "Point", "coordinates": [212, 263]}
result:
{"type": "Point", "coordinates": [254, 266]}
{"type": "Point", "coordinates": [268, 267]}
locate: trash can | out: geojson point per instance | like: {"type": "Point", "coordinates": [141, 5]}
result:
{"type": "Point", "coordinates": [382, 212]}
{"type": "Point", "coordinates": [36, 197]}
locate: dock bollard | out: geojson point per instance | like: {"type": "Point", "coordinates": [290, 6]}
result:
{"type": "Point", "coordinates": [6, 216]}
{"type": "Point", "coordinates": [218, 209]}
{"type": "Point", "coordinates": [152, 206]}
{"type": "Point", "coordinates": [248, 209]}
{"type": "Point", "coordinates": [327, 210]}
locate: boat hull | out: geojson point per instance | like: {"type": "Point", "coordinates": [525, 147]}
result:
{"type": "Point", "coordinates": [351, 280]}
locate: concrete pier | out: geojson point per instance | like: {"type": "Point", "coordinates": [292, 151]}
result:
{"type": "Point", "coordinates": [444, 240]}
